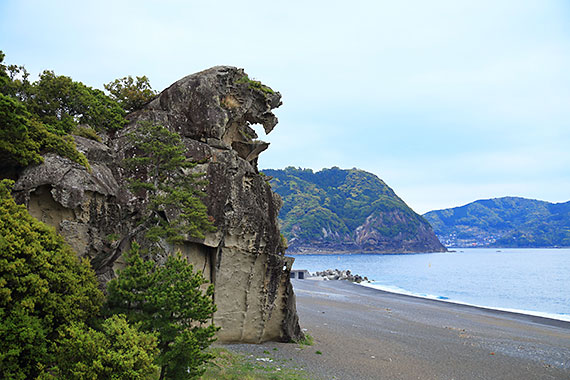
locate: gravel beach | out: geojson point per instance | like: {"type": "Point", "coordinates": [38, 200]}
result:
{"type": "Point", "coordinates": [364, 333]}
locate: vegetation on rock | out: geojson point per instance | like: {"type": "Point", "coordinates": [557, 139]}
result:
{"type": "Point", "coordinates": [167, 300]}
{"type": "Point", "coordinates": [61, 103]}
{"type": "Point", "coordinates": [254, 84]}
{"type": "Point", "coordinates": [504, 222]}
{"type": "Point", "coordinates": [131, 94]}
{"type": "Point", "coordinates": [160, 171]}
{"type": "Point", "coordinates": [50, 321]}
{"type": "Point", "coordinates": [24, 137]}
{"type": "Point", "coordinates": [44, 288]}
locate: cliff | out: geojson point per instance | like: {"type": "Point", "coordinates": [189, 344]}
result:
{"type": "Point", "coordinates": [337, 210]}
{"type": "Point", "coordinates": [99, 217]}
{"type": "Point", "coordinates": [504, 222]}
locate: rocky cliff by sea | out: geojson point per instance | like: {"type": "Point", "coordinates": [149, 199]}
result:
{"type": "Point", "coordinates": [97, 214]}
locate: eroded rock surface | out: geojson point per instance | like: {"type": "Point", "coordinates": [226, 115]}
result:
{"type": "Point", "coordinates": [98, 215]}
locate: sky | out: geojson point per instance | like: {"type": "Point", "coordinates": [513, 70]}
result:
{"type": "Point", "coordinates": [447, 101]}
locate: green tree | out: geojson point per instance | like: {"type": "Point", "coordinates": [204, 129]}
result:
{"type": "Point", "coordinates": [4, 79]}
{"type": "Point", "coordinates": [131, 94]}
{"type": "Point", "coordinates": [119, 352]}
{"type": "Point", "coordinates": [61, 104]}
{"type": "Point", "coordinates": [167, 300]}
{"type": "Point", "coordinates": [43, 288]}
{"type": "Point", "coordinates": [161, 172]}
{"type": "Point", "coordinates": [23, 138]}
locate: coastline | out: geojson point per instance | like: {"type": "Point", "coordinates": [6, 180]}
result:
{"type": "Point", "coordinates": [323, 251]}
{"type": "Point", "coordinates": [525, 281]}
{"type": "Point", "coordinates": [368, 333]}
{"type": "Point", "coordinates": [530, 313]}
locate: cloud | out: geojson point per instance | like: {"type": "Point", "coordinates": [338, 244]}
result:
{"type": "Point", "coordinates": [463, 95]}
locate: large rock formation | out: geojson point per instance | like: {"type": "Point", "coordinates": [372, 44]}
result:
{"type": "Point", "coordinates": [98, 215]}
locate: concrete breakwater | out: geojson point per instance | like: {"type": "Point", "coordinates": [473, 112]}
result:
{"type": "Point", "coordinates": [336, 274]}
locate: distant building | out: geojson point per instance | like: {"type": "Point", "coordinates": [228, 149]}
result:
{"type": "Point", "coordinates": [300, 274]}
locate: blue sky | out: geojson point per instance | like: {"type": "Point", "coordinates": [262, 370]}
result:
{"type": "Point", "coordinates": [448, 101]}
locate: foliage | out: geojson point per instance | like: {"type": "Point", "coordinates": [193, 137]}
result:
{"type": "Point", "coordinates": [338, 201]}
{"type": "Point", "coordinates": [131, 94]}
{"type": "Point", "coordinates": [255, 84]}
{"type": "Point", "coordinates": [16, 144]}
{"type": "Point", "coordinates": [504, 222]}
{"type": "Point", "coordinates": [161, 173]}
{"type": "Point", "coordinates": [13, 78]}
{"type": "Point", "coordinates": [4, 79]}
{"type": "Point", "coordinates": [43, 288]}
{"type": "Point", "coordinates": [23, 140]}
{"type": "Point", "coordinates": [87, 132]}
{"type": "Point", "coordinates": [61, 103]}
{"type": "Point", "coordinates": [119, 351]}
{"type": "Point", "coordinates": [22, 137]}
{"type": "Point", "coordinates": [308, 340]}
{"type": "Point", "coordinates": [167, 300]}
{"type": "Point", "coordinates": [228, 365]}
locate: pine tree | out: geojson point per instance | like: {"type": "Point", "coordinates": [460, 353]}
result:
{"type": "Point", "coordinates": [167, 300]}
{"type": "Point", "coordinates": [161, 172]}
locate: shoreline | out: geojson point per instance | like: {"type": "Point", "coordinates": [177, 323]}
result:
{"type": "Point", "coordinates": [360, 252]}
{"type": "Point", "coordinates": [468, 277]}
{"type": "Point", "coordinates": [367, 333]}
{"type": "Point", "coordinates": [324, 251]}
{"type": "Point", "coordinates": [530, 313]}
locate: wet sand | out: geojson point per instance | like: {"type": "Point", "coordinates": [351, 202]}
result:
{"type": "Point", "coordinates": [365, 333]}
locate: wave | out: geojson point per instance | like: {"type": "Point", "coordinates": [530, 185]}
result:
{"type": "Point", "coordinates": [398, 290]}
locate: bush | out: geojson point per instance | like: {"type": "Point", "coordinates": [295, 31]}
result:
{"type": "Point", "coordinates": [119, 351]}
{"type": "Point", "coordinates": [43, 288]}
{"type": "Point", "coordinates": [130, 94]}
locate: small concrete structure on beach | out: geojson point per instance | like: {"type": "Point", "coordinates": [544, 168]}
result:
{"type": "Point", "coordinates": [300, 274]}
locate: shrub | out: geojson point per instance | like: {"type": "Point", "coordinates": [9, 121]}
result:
{"type": "Point", "coordinates": [43, 288]}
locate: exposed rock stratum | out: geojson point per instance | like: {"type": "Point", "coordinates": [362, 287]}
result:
{"type": "Point", "coordinates": [98, 216]}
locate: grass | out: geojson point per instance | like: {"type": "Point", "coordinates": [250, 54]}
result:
{"type": "Point", "coordinates": [255, 84]}
{"type": "Point", "coordinates": [232, 366]}
{"type": "Point", "coordinates": [308, 341]}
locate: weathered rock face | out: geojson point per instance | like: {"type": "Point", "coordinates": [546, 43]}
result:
{"type": "Point", "coordinates": [97, 214]}
{"type": "Point", "coordinates": [369, 237]}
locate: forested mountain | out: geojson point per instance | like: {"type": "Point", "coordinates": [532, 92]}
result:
{"type": "Point", "coordinates": [503, 222]}
{"type": "Point", "coordinates": [347, 210]}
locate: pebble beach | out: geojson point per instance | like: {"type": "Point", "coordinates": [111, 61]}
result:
{"type": "Point", "coordinates": [365, 333]}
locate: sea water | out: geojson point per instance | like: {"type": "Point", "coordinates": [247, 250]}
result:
{"type": "Point", "coordinates": [530, 281]}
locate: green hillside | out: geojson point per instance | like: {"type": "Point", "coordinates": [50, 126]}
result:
{"type": "Point", "coordinates": [504, 222]}
{"type": "Point", "coordinates": [347, 210]}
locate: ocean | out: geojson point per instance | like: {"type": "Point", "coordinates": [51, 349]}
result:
{"type": "Point", "coordinates": [528, 281]}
